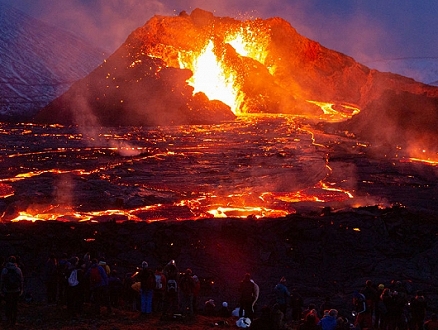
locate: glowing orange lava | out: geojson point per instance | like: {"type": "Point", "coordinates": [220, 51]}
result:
{"type": "Point", "coordinates": [212, 74]}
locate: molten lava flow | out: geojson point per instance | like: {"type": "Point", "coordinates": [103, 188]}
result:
{"type": "Point", "coordinates": [345, 112]}
{"type": "Point", "coordinates": [426, 161]}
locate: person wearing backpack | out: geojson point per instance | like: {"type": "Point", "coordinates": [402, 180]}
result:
{"type": "Point", "coordinates": [187, 286]}
{"type": "Point", "coordinates": [12, 285]}
{"type": "Point", "coordinates": [159, 291]}
{"type": "Point", "coordinates": [98, 286]}
{"type": "Point", "coordinates": [75, 289]}
{"type": "Point", "coordinates": [171, 295]}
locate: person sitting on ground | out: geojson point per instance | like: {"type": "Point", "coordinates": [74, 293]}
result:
{"type": "Point", "coordinates": [311, 309]}
{"type": "Point", "coordinates": [432, 323]}
{"type": "Point", "coordinates": [309, 322]}
{"type": "Point", "coordinates": [264, 322]}
{"type": "Point", "coordinates": [224, 311]}
{"type": "Point", "coordinates": [329, 321]}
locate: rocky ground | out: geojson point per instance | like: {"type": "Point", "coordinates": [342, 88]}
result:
{"type": "Point", "coordinates": [321, 255]}
{"type": "Point", "coordinates": [41, 316]}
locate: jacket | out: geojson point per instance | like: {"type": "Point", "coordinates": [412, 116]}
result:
{"type": "Point", "coordinates": [11, 267]}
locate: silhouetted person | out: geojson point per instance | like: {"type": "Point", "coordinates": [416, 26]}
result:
{"type": "Point", "coordinates": [282, 295]}
{"type": "Point", "coordinates": [147, 280]}
{"type": "Point", "coordinates": [247, 295]}
{"type": "Point", "coordinates": [12, 285]}
{"type": "Point", "coordinates": [51, 279]}
{"type": "Point", "coordinates": [418, 311]}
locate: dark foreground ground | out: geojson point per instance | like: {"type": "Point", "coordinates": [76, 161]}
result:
{"type": "Point", "coordinates": [321, 255]}
{"type": "Point", "coordinates": [41, 316]}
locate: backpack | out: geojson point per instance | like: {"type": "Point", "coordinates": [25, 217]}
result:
{"type": "Point", "coordinates": [172, 286]}
{"type": "Point", "coordinates": [95, 277]}
{"type": "Point", "coordinates": [158, 282]}
{"type": "Point", "coordinates": [73, 278]}
{"type": "Point", "coordinates": [12, 280]}
{"type": "Point", "coordinates": [359, 302]}
{"type": "Point", "coordinates": [152, 281]}
{"type": "Point", "coordinates": [187, 284]}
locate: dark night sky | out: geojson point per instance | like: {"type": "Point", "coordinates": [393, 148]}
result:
{"type": "Point", "coordinates": [364, 29]}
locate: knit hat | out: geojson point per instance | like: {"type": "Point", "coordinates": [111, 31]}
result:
{"type": "Point", "coordinates": [144, 264]}
{"type": "Point", "coordinates": [225, 304]}
{"type": "Point", "coordinates": [333, 312]}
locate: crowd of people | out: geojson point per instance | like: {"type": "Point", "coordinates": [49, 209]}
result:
{"type": "Point", "coordinates": [72, 282]}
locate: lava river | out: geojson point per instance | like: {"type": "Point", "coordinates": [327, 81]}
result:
{"type": "Point", "coordinates": [255, 166]}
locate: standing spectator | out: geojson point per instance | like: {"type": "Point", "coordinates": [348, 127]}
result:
{"type": "Point", "coordinates": [147, 280]}
{"type": "Point", "coordinates": [187, 286]}
{"type": "Point", "coordinates": [380, 309]}
{"type": "Point", "coordinates": [12, 285]}
{"type": "Point", "coordinates": [386, 319]}
{"type": "Point", "coordinates": [363, 317]}
{"type": "Point", "coordinates": [115, 286]}
{"type": "Point", "coordinates": [63, 266]}
{"type": "Point", "coordinates": [297, 304]}
{"type": "Point", "coordinates": [171, 294]}
{"type": "Point", "coordinates": [98, 286]}
{"type": "Point", "coordinates": [418, 311]}
{"type": "Point", "coordinates": [104, 265]}
{"type": "Point", "coordinates": [75, 291]}
{"type": "Point", "coordinates": [282, 295]}
{"type": "Point", "coordinates": [371, 299]}
{"type": "Point", "coordinates": [196, 292]}
{"type": "Point", "coordinates": [247, 295]}
{"type": "Point", "coordinates": [159, 291]}
{"type": "Point", "coordinates": [51, 279]}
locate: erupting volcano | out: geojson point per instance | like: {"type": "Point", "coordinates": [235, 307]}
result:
{"type": "Point", "coordinates": [274, 119]}
{"type": "Point", "coordinates": [199, 68]}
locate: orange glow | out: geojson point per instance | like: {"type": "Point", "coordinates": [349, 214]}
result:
{"type": "Point", "coordinates": [244, 212]}
{"type": "Point", "coordinates": [212, 73]}
{"type": "Point", "coordinates": [211, 77]}
{"type": "Point", "coordinates": [344, 112]}
{"type": "Point", "coordinates": [426, 161]}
